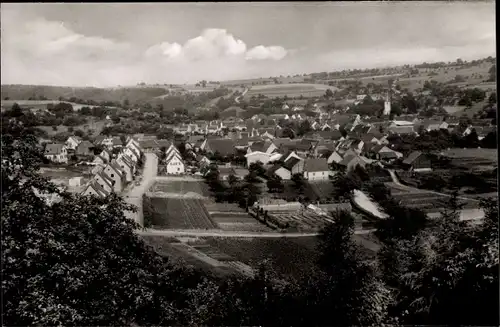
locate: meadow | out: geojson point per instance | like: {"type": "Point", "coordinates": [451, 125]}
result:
{"type": "Point", "coordinates": [290, 90]}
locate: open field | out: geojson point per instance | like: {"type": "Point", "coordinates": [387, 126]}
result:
{"type": "Point", "coordinates": [181, 187]}
{"type": "Point", "coordinates": [484, 154]}
{"type": "Point", "coordinates": [177, 213]}
{"type": "Point", "coordinates": [290, 90]}
{"type": "Point", "coordinates": [321, 190]}
{"type": "Point", "coordinates": [42, 104]}
{"type": "Point", "coordinates": [95, 125]}
{"type": "Point", "coordinates": [287, 256]}
{"type": "Point", "coordinates": [133, 94]}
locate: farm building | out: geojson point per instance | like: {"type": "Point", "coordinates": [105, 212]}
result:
{"type": "Point", "coordinates": [351, 161]}
{"type": "Point", "coordinates": [56, 153]}
{"type": "Point", "coordinates": [417, 161]}
{"type": "Point", "coordinates": [280, 171]}
{"type": "Point", "coordinates": [316, 169]}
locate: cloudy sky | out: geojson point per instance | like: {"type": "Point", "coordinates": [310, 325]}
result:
{"type": "Point", "coordinates": [123, 44]}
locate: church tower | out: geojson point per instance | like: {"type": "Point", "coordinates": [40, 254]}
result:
{"type": "Point", "coordinates": [387, 102]}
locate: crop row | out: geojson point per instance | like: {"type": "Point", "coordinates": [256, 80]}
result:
{"type": "Point", "coordinates": [174, 213]}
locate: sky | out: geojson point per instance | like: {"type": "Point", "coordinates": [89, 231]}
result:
{"type": "Point", "coordinates": [105, 45]}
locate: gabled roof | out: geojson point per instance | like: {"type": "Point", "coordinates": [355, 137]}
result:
{"type": "Point", "coordinates": [172, 158]}
{"type": "Point", "coordinates": [53, 149]}
{"type": "Point", "coordinates": [105, 178]}
{"type": "Point", "coordinates": [290, 163]}
{"type": "Point", "coordinates": [77, 138]}
{"type": "Point", "coordinates": [412, 157]}
{"type": "Point", "coordinates": [261, 146]}
{"type": "Point", "coordinates": [97, 188]}
{"type": "Point", "coordinates": [114, 165]}
{"type": "Point", "coordinates": [347, 159]}
{"type": "Point", "coordinates": [224, 146]}
{"type": "Point", "coordinates": [316, 164]}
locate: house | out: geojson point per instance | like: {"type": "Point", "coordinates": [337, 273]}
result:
{"type": "Point", "coordinates": [334, 156]}
{"type": "Point", "coordinates": [194, 142]}
{"type": "Point", "coordinates": [417, 161]}
{"type": "Point", "coordinates": [94, 189]}
{"type": "Point", "coordinates": [115, 173]}
{"type": "Point", "coordinates": [175, 165]}
{"type": "Point", "coordinates": [84, 149]}
{"type": "Point", "coordinates": [225, 147]}
{"type": "Point", "coordinates": [434, 125]}
{"type": "Point", "coordinates": [72, 142]}
{"type": "Point", "coordinates": [316, 169]}
{"type": "Point", "coordinates": [257, 156]}
{"type": "Point", "coordinates": [56, 153]}
{"type": "Point", "coordinates": [262, 146]}
{"type": "Point", "coordinates": [401, 130]}
{"type": "Point", "coordinates": [294, 165]}
{"type": "Point", "coordinates": [202, 160]}
{"type": "Point", "coordinates": [382, 152]}
{"type": "Point", "coordinates": [127, 166]}
{"type": "Point", "coordinates": [280, 171]}
{"type": "Point", "coordinates": [104, 181]}
{"type": "Point", "coordinates": [350, 162]}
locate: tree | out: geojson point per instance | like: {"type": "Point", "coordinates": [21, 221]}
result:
{"type": "Point", "coordinates": [328, 94]}
{"type": "Point", "coordinates": [344, 186]}
{"type": "Point", "coordinates": [288, 132]}
{"type": "Point", "coordinates": [304, 128]}
{"type": "Point", "coordinates": [275, 184]}
{"type": "Point", "coordinates": [299, 183]}
{"type": "Point", "coordinates": [346, 286]}
{"type": "Point", "coordinates": [56, 256]}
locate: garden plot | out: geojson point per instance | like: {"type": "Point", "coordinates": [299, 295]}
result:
{"type": "Point", "coordinates": [302, 219]}
{"type": "Point", "coordinates": [177, 213]}
{"type": "Point", "coordinates": [230, 217]}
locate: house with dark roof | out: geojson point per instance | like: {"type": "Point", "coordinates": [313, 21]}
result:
{"type": "Point", "coordinates": [351, 161]}
{"type": "Point", "coordinates": [401, 130]}
{"type": "Point", "coordinates": [56, 153]}
{"type": "Point", "coordinates": [72, 142]}
{"type": "Point", "coordinates": [316, 169]}
{"type": "Point", "coordinates": [417, 161]}
{"type": "Point", "coordinates": [84, 149]}
{"type": "Point", "coordinates": [225, 147]}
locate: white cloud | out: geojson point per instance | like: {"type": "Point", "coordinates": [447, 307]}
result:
{"type": "Point", "coordinates": [214, 43]}
{"type": "Point", "coordinates": [262, 53]}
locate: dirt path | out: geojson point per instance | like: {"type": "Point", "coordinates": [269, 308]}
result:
{"type": "Point", "coordinates": [134, 196]}
{"type": "Point", "coordinates": [202, 233]}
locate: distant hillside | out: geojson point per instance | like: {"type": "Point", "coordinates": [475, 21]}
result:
{"type": "Point", "coordinates": [132, 94]}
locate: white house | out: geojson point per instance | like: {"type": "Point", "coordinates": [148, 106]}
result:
{"type": "Point", "coordinates": [72, 142]}
{"type": "Point", "coordinates": [104, 181]}
{"type": "Point", "coordinates": [316, 169]}
{"type": "Point", "coordinates": [175, 165]}
{"type": "Point", "coordinates": [93, 188]}
{"type": "Point", "coordinates": [283, 173]}
{"type": "Point", "coordinates": [114, 172]}
{"type": "Point", "coordinates": [56, 153]}
{"type": "Point", "coordinates": [334, 157]}
{"type": "Point", "coordinates": [127, 167]}
{"type": "Point", "coordinates": [256, 156]}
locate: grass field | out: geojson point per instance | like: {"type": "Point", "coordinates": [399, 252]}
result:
{"type": "Point", "coordinates": [42, 104]}
{"type": "Point", "coordinates": [488, 154]}
{"type": "Point", "coordinates": [290, 90]}
{"type": "Point", "coordinates": [95, 126]}
{"type": "Point", "coordinates": [177, 213]}
{"type": "Point", "coordinates": [181, 187]}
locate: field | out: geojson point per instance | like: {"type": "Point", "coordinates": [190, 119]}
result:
{"type": "Point", "coordinates": [301, 220]}
{"type": "Point", "coordinates": [230, 217]}
{"type": "Point", "coordinates": [429, 202]}
{"type": "Point", "coordinates": [181, 187]}
{"type": "Point", "coordinates": [321, 190]}
{"type": "Point", "coordinates": [95, 126]}
{"type": "Point", "coordinates": [290, 257]}
{"type": "Point", "coordinates": [177, 213]}
{"type": "Point", "coordinates": [290, 90]}
{"type": "Point", "coordinates": [490, 155]}
{"type": "Point", "coordinates": [42, 104]}
{"type": "Point", "coordinates": [133, 94]}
